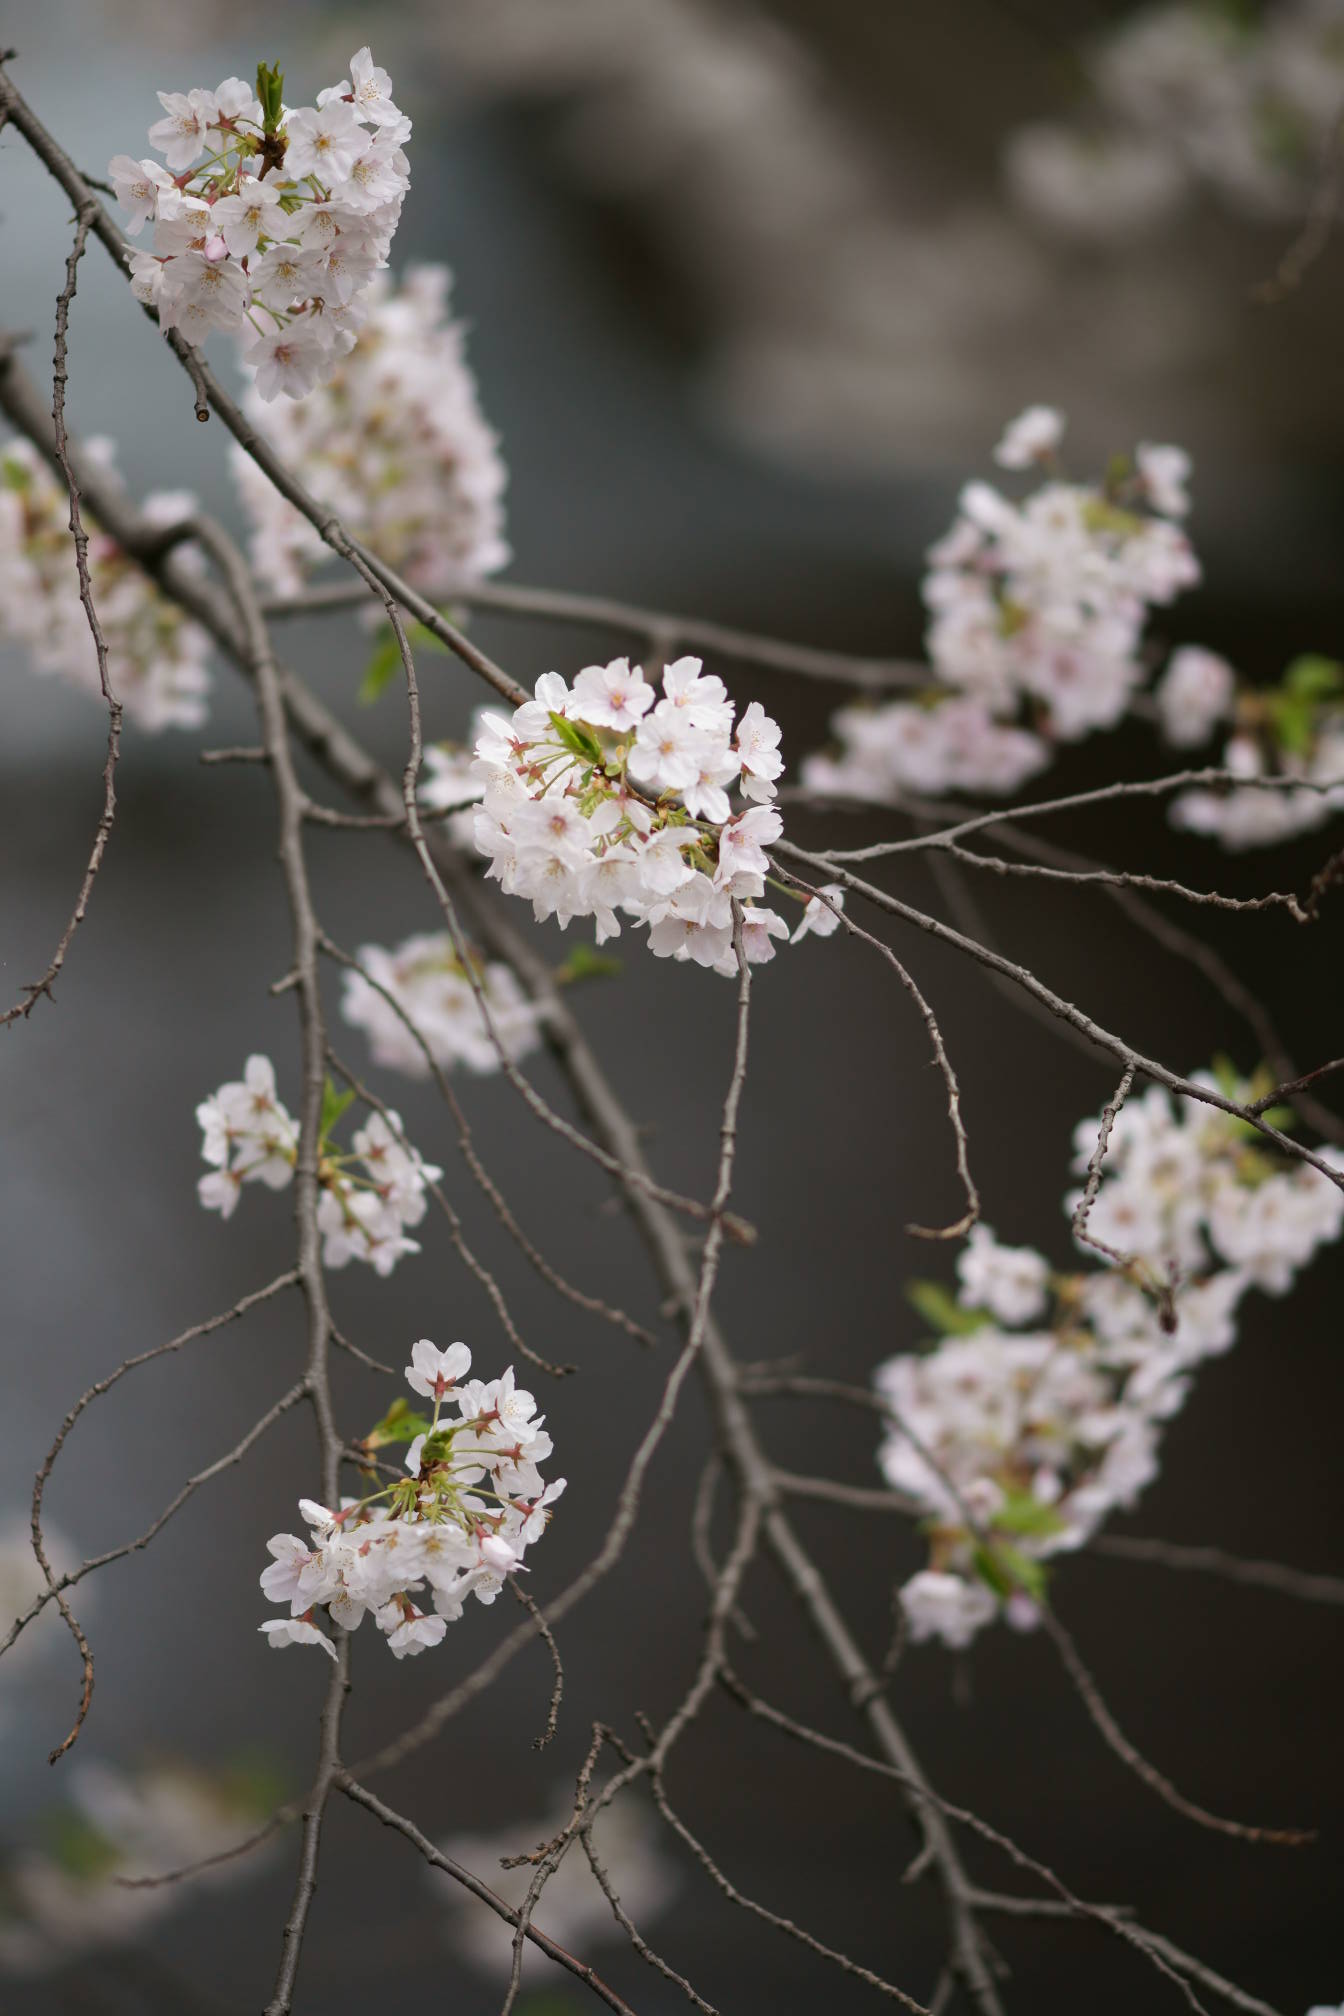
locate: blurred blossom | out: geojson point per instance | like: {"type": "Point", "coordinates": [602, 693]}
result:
{"type": "Point", "coordinates": [1105, 188]}
{"type": "Point", "coordinates": [21, 1579]}
{"type": "Point", "coordinates": [71, 1898]}
{"type": "Point", "coordinates": [572, 1908]}
{"type": "Point", "coordinates": [1197, 95]}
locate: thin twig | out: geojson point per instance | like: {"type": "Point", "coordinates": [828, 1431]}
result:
{"type": "Point", "coordinates": [1124, 1052]}
{"type": "Point", "coordinates": [550, 605]}
{"type": "Point", "coordinates": [941, 1058]}
{"type": "Point", "coordinates": [1285, 1581]}
{"type": "Point", "coordinates": [1130, 1755]}
{"type": "Point", "coordinates": [35, 989]}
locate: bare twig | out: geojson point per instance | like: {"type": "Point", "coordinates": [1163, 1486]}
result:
{"type": "Point", "coordinates": [1124, 1052]}
{"type": "Point", "coordinates": [1130, 1755]}
{"type": "Point", "coordinates": [593, 1304]}
{"type": "Point", "coordinates": [545, 1632]}
{"type": "Point", "coordinates": [35, 989]}
{"type": "Point", "coordinates": [1285, 1581]}
{"type": "Point", "coordinates": [941, 1058]}
{"type": "Point", "coordinates": [550, 605]}
{"type": "Point", "coordinates": [361, 1796]}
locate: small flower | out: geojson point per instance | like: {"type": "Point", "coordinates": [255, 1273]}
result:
{"type": "Point", "coordinates": [1164, 473]}
{"type": "Point", "coordinates": [295, 1631]}
{"type": "Point", "coordinates": [434, 1372]}
{"type": "Point", "coordinates": [820, 919]}
{"type": "Point", "coordinates": [1032, 437]}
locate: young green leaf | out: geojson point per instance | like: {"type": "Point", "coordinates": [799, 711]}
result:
{"type": "Point", "coordinates": [401, 1423]}
{"type": "Point", "coordinates": [941, 1310]}
{"type": "Point", "coordinates": [584, 963]}
{"type": "Point", "coordinates": [576, 737]}
{"type": "Point", "coordinates": [334, 1103]}
{"type": "Point", "coordinates": [1026, 1516]}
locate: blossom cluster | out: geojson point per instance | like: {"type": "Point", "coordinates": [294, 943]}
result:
{"type": "Point", "coordinates": [431, 988]}
{"type": "Point", "coordinates": [1040, 1410]}
{"type": "Point", "coordinates": [370, 1193]}
{"type": "Point", "coordinates": [1185, 1185]}
{"type": "Point", "coordinates": [1044, 601]}
{"type": "Point", "coordinates": [1292, 731]}
{"type": "Point", "coordinates": [1037, 610]}
{"type": "Point", "coordinates": [393, 439]}
{"type": "Point", "coordinates": [269, 221]}
{"type": "Point", "coordinates": [456, 1526]}
{"type": "Point", "coordinates": [84, 1892]}
{"type": "Point", "coordinates": [157, 658]}
{"type": "Point", "coordinates": [607, 797]}
{"type": "Point", "coordinates": [937, 743]}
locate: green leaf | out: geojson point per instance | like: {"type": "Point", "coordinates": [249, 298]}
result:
{"type": "Point", "coordinates": [1293, 720]}
{"type": "Point", "coordinates": [941, 1310]}
{"type": "Point", "coordinates": [1005, 1570]}
{"type": "Point", "coordinates": [1226, 1076]}
{"type": "Point", "coordinates": [1282, 1117]}
{"type": "Point", "coordinates": [81, 1849]}
{"type": "Point", "coordinates": [381, 669]}
{"type": "Point", "coordinates": [1022, 1514]}
{"type": "Point", "coordinates": [585, 963]}
{"type": "Point", "coordinates": [401, 1423]}
{"type": "Point", "coordinates": [334, 1103]}
{"type": "Point", "coordinates": [576, 737]}
{"type": "Point", "coordinates": [270, 90]}
{"type": "Point", "coordinates": [385, 665]}
{"type": "Point", "coordinates": [254, 1783]}
{"type": "Point", "coordinates": [1100, 516]}
{"type": "Point", "coordinates": [1313, 677]}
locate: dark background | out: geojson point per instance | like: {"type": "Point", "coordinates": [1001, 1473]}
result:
{"type": "Point", "coordinates": [698, 414]}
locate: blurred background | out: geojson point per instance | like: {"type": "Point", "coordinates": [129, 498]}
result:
{"type": "Point", "coordinates": [751, 291]}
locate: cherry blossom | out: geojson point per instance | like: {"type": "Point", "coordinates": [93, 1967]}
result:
{"type": "Point", "coordinates": [157, 658]}
{"type": "Point", "coordinates": [370, 1193]}
{"type": "Point", "coordinates": [232, 237]}
{"type": "Point", "coordinates": [426, 980]}
{"type": "Point", "coordinates": [457, 1525]}
{"type": "Point", "coordinates": [1015, 1443]}
{"type": "Point", "coordinates": [392, 436]}
{"type": "Point", "coordinates": [606, 800]}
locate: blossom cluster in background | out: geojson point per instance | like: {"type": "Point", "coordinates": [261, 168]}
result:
{"type": "Point", "coordinates": [574, 1910]}
{"type": "Point", "coordinates": [1185, 1186]}
{"type": "Point", "coordinates": [609, 798]}
{"type": "Point", "coordinates": [1293, 731]}
{"type": "Point", "coordinates": [269, 221]}
{"type": "Point", "coordinates": [1037, 636]}
{"type": "Point", "coordinates": [75, 1896]}
{"type": "Point", "coordinates": [394, 440]}
{"type": "Point", "coordinates": [1040, 1410]}
{"type": "Point", "coordinates": [1037, 611]}
{"type": "Point", "coordinates": [1241, 101]}
{"type": "Point", "coordinates": [369, 1193]}
{"type": "Point", "coordinates": [157, 658]}
{"type": "Point", "coordinates": [458, 1524]}
{"type": "Point", "coordinates": [427, 981]}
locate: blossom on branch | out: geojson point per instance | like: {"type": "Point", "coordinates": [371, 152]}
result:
{"type": "Point", "coordinates": [277, 232]}
{"type": "Point", "coordinates": [608, 800]}
{"type": "Point", "coordinates": [370, 1193]}
{"type": "Point", "coordinates": [394, 439]}
{"type": "Point", "coordinates": [458, 1524]}
{"type": "Point", "coordinates": [157, 658]}
{"type": "Point", "coordinates": [422, 986]}
{"type": "Point", "coordinates": [1016, 1443]}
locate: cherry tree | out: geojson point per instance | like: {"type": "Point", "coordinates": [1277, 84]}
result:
{"type": "Point", "coordinates": [650, 799]}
